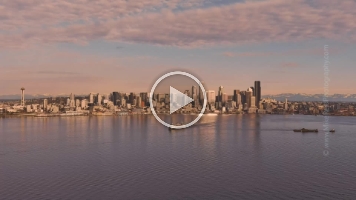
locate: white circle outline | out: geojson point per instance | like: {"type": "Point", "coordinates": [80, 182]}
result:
{"type": "Point", "coordinates": [184, 74]}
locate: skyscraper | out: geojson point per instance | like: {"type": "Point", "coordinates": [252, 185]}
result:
{"type": "Point", "coordinates": [45, 104]}
{"type": "Point", "coordinates": [91, 98]}
{"type": "Point", "coordinates": [201, 95]}
{"type": "Point", "coordinates": [211, 96]}
{"type": "Point", "coordinates": [249, 94]}
{"type": "Point", "coordinates": [220, 94]}
{"type": "Point", "coordinates": [71, 100]}
{"type": "Point", "coordinates": [98, 99]}
{"type": "Point", "coordinates": [236, 92]}
{"type": "Point", "coordinates": [116, 97]}
{"type": "Point", "coordinates": [195, 96]}
{"type": "Point", "coordinates": [257, 92]}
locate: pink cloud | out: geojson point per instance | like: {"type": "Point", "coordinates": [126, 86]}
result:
{"type": "Point", "coordinates": [293, 52]}
{"type": "Point", "coordinates": [33, 22]}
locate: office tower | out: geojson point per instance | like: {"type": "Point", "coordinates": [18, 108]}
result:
{"type": "Point", "coordinates": [123, 102]}
{"type": "Point", "coordinates": [68, 101]}
{"type": "Point", "coordinates": [224, 98]}
{"type": "Point", "coordinates": [249, 94]}
{"type": "Point", "coordinates": [194, 96]}
{"type": "Point", "coordinates": [220, 94]}
{"type": "Point", "coordinates": [253, 90]}
{"type": "Point", "coordinates": [45, 104]}
{"type": "Point", "coordinates": [161, 97]}
{"type": "Point", "coordinates": [22, 96]}
{"type": "Point", "coordinates": [98, 99]}
{"type": "Point", "coordinates": [201, 95]}
{"type": "Point", "coordinates": [236, 92]}
{"type": "Point", "coordinates": [144, 97]}
{"type": "Point", "coordinates": [138, 102]}
{"type": "Point", "coordinates": [83, 103]}
{"type": "Point", "coordinates": [116, 97]}
{"type": "Point", "coordinates": [238, 99]}
{"type": "Point", "coordinates": [230, 98]}
{"type": "Point", "coordinates": [131, 98]}
{"type": "Point", "coordinates": [211, 96]}
{"type": "Point", "coordinates": [71, 96]}
{"type": "Point", "coordinates": [91, 98]}
{"type": "Point", "coordinates": [77, 103]}
{"type": "Point", "coordinates": [243, 97]}
{"type": "Point", "coordinates": [257, 92]}
{"type": "Point", "coordinates": [253, 99]}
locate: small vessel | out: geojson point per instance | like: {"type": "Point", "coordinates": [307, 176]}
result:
{"type": "Point", "coordinates": [303, 130]}
{"type": "Point", "coordinates": [171, 128]}
{"type": "Point", "coordinates": [332, 131]}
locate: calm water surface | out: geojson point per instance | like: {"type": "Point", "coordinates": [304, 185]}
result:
{"type": "Point", "coordinates": [135, 157]}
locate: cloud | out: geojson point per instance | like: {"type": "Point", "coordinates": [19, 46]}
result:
{"type": "Point", "coordinates": [290, 65]}
{"type": "Point", "coordinates": [49, 72]}
{"type": "Point", "coordinates": [158, 22]}
{"type": "Point", "coordinates": [292, 52]}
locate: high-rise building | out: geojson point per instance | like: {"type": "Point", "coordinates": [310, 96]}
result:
{"type": "Point", "coordinates": [211, 96]}
{"type": "Point", "coordinates": [243, 97]}
{"type": "Point", "coordinates": [45, 104]}
{"type": "Point", "coordinates": [91, 98]}
{"type": "Point", "coordinates": [77, 103]}
{"type": "Point", "coordinates": [236, 92]}
{"type": "Point", "coordinates": [84, 103]}
{"type": "Point", "coordinates": [98, 99]}
{"type": "Point", "coordinates": [22, 96]}
{"type": "Point", "coordinates": [249, 94]}
{"type": "Point", "coordinates": [144, 97]}
{"type": "Point", "coordinates": [238, 99]}
{"type": "Point", "coordinates": [201, 95]}
{"type": "Point", "coordinates": [220, 94]}
{"type": "Point", "coordinates": [224, 98]}
{"type": "Point", "coordinates": [257, 92]}
{"type": "Point", "coordinates": [138, 101]}
{"type": "Point", "coordinates": [116, 98]}
{"type": "Point", "coordinates": [195, 96]}
{"type": "Point", "coordinates": [131, 98]}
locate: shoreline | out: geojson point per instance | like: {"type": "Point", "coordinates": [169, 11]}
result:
{"type": "Point", "coordinates": [114, 115]}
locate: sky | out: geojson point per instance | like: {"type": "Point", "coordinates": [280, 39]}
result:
{"type": "Point", "coordinates": [82, 46]}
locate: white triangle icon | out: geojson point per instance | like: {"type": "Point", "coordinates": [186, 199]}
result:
{"type": "Point", "coordinates": [177, 100]}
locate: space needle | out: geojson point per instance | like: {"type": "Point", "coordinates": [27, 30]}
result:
{"type": "Point", "coordinates": [22, 96]}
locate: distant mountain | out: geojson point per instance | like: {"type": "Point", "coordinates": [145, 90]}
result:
{"type": "Point", "coordinates": [312, 97]}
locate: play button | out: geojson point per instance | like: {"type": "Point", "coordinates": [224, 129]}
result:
{"type": "Point", "coordinates": [179, 102]}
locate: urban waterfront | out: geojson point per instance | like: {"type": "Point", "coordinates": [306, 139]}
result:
{"type": "Point", "coordinates": [135, 157]}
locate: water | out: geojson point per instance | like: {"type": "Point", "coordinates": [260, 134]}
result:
{"type": "Point", "coordinates": [135, 157]}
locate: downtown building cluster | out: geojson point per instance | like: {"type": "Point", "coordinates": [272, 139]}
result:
{"type": "Point", "coordinates": [120, 103]}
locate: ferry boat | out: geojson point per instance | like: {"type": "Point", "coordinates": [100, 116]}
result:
{"type": "Point", "coordinates": [303, 130]}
